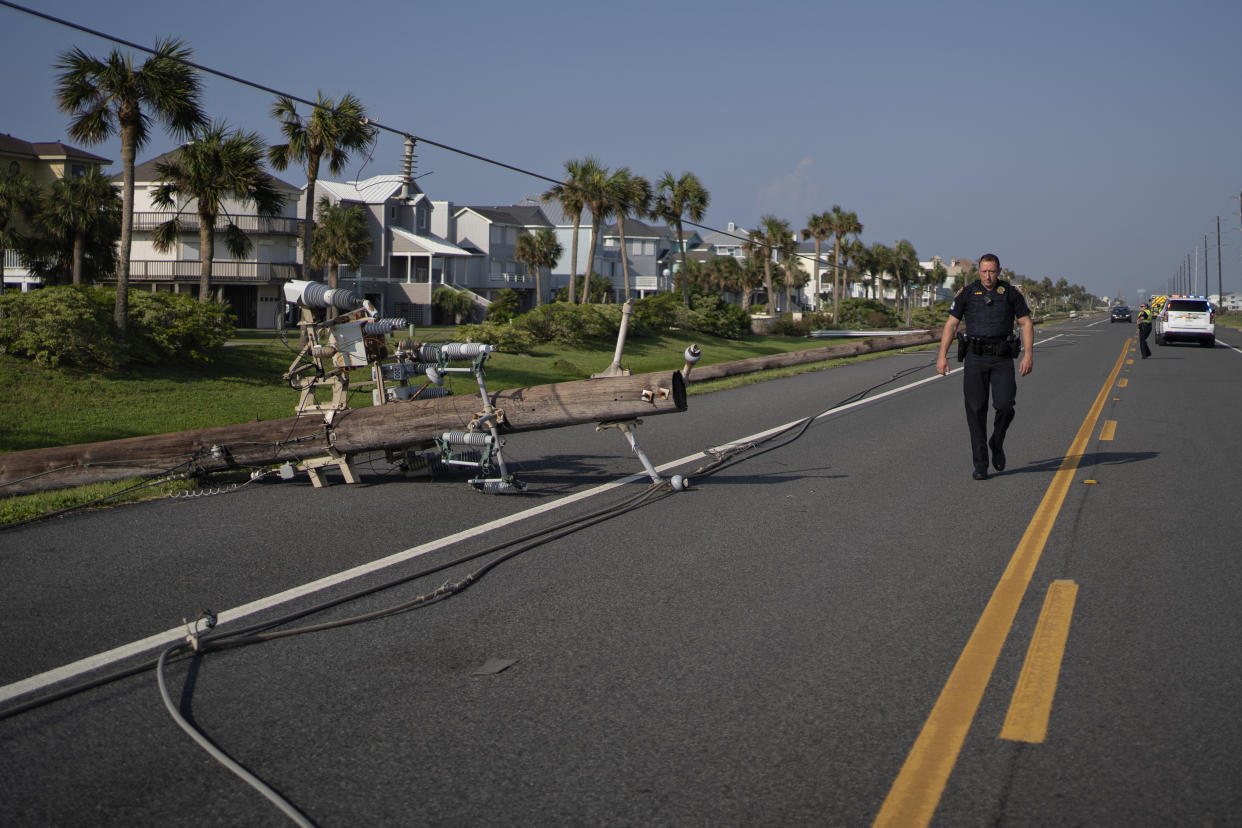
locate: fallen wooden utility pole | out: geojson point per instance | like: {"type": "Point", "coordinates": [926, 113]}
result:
{"type": "Point", "coordinates": [386, 427]}
{"type": "Point", "coordinates": [784, 360]}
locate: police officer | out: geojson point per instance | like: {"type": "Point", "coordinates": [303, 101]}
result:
{"type": "Point", "coordinates": [989, 307]}
{"type": "Point", "coordinates": [1144, 329]}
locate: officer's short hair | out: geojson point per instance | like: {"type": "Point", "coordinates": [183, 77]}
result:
{"type": "Point", "coordinates": [989, 257]}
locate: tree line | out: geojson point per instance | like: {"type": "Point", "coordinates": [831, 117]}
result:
{"type": "Point", "coordinates": [74, 227]}
{"type": "Point", "coordinates": [84, 223]}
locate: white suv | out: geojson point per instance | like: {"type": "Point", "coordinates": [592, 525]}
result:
{"type": "Point", "coordinates": [1186, 319]}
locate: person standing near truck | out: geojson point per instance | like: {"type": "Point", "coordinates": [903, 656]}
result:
{"type": "Point", "coordinates": [1144, 330]}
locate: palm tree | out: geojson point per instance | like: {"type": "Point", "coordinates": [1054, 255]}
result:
{"type": "Point", "coordinates": [844, 223]}
{"type": "Point", "coordinates": [936, 278]}
{"type": "Point", "coordinates": [906, 269]}
{"type": "Point", "coordinates": [853, 263]}
{"type": "Point", "coordinates": [793, 275]}
{"type": "Point", "coordinates": [333, 131]}
{"type": "Point", "coordinates": [107, 97]}
{"type": "Point", "coordinates": [18, 194]}
{"type": "Point", "coordinates": [571, 194]}
{"type": "Point", "coordinates": [631, 195]}
{"type": "Point", "coordinates": [341, 237]}
{"type": "Point", "coordinates": [538, 251]}
{"type": "Point", "coordinates": [879, 260]}
{"type": "Point", "coordinates": [221, 163]}
{"type": "Point", "coordinates": [724, 274]}
{"type": "Point", "coordinates": [676, 199]}
{"type": "Point", "coordinates": [75, 206]}
{"type": "Point", "coordinates": [596, 199]}
{"type": "Point", "coordinates": [819, 227]}
{"type": "Point", "coordinates": [772, 235]}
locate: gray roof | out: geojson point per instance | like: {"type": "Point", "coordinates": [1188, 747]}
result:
{"type": "Point", "coordinates": [717, 238]}
{"type": "Point", "coordinates": [635, 229]}
{"type": "Point", "coordinates": [146, 173]}
{"type": "Point", "coordinates": [46, 150]}
{"type": "Point", "coordinates": [552, 210]}
{"type": "Point", "coordinates": [519, 214]}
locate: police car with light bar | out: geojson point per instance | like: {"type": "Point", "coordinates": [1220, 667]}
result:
{"type": "Point", "coordinates": [1185, 319]}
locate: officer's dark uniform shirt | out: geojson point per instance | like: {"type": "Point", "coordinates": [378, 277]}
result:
{"type": "Point", "coordinates": [989, 314]}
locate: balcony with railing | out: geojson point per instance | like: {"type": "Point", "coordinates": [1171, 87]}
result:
{"type": "Point", "coordinates": [222, 271]}
{"type": "Point", "coordinates": [266, 225]}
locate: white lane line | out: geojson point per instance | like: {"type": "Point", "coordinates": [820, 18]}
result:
{"type": "Point", "coordinates": [1220, 341]}
{"type": "Point", "coordinates": [176, 634]}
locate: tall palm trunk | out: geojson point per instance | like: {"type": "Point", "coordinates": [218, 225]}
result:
{"type": "Point", "coordinates": [767, 280]}
{"type": "Point", "coordinates": [206, 254]}
{"type": "Point", "coordinates": [79, 253]}
{"type": "Point", "coordinates": [586, 279]}
{"type": "Point", "coordinates": [573, 259]}
{"type": "Point", "coordinates": [817, 303]}
{"type": "Point", "coordinates": [685, 274]}
{"type": "Point", "coordinates": [837, 285]}
{"type": "Point", "coordinates": [129, 151]}
{"type": "Point", "coordinates": [308, 226]}
{"type": "Point", "coordinates": [625, 266]}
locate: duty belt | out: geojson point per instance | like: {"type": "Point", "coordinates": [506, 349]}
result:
{"type": "Point", "coordinates": [984, 348]}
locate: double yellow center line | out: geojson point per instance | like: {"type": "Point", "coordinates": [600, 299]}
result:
{"type": "Point", "coordinates": [917, 790]}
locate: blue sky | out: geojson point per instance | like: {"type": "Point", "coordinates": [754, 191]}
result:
{"type": "Point", "coordinates": [1097, 142]}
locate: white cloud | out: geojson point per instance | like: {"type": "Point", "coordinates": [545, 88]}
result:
{"type": "Point", "coordinates": [793, 196]}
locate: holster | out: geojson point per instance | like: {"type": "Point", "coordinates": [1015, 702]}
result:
{"type": "Point", "coordinates": [962, 346]}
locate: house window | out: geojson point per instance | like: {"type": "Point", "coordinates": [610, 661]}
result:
{"type": "Point", "coordinates": [77, 171]}
{"type": "Point", "coordinates": [422, 220]}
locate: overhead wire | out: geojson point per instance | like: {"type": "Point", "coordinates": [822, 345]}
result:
{"type": "Point", "coordinates": [379, 125]}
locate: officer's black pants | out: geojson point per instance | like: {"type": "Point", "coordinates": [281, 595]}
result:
{"type": "Point", "coordinates": [1143, 333]}
{"type": "Point", "coordinates": [981, 375]}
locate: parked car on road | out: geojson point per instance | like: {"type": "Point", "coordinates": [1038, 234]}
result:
{"type": "Point", "coordinates": [1186, 319]}
{"type": "Point", "coordinates": [1119, 314]}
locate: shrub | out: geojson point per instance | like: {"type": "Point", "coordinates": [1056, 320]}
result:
{"type": "Point", "coordinates": [175, 326]}
{"type": "Point", "coordinates": [786, 325]}
{"type": "Point", "coordinates": [456, 305]}
{"type": "Point", "coordinates": [570, 325]}
{"type": "Point", "coordinates": [656, 314]}
{"type": "Point", "coordinates": [60, 325]}
{"type": "Point", "coordinates": [508, 338]}
{"type": "Point", "coordinates": [72, 325]}
{"type": "Point", "coordinates": [504, 307]}
{"type": "Point", "coordinates": [866, 313]}
{"type": "Point", "coordinates": [712, 315]}
{"type": "Point", "coordinates": [933, 317]}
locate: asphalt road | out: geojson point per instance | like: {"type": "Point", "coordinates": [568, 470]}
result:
{"type": "Point", "coordinates": [830, 630]}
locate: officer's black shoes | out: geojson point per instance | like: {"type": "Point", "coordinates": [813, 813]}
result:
{"type": "Point", "coordinates": [980, 475]}
{"type": "Point", "coordinates": [998, 459]}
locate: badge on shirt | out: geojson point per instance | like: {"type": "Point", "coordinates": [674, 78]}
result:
{"type": "Point", "coordinates": [1000, 289]}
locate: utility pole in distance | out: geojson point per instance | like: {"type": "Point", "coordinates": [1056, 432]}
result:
{"type": "Point", "coordinates": [1220, 290]}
